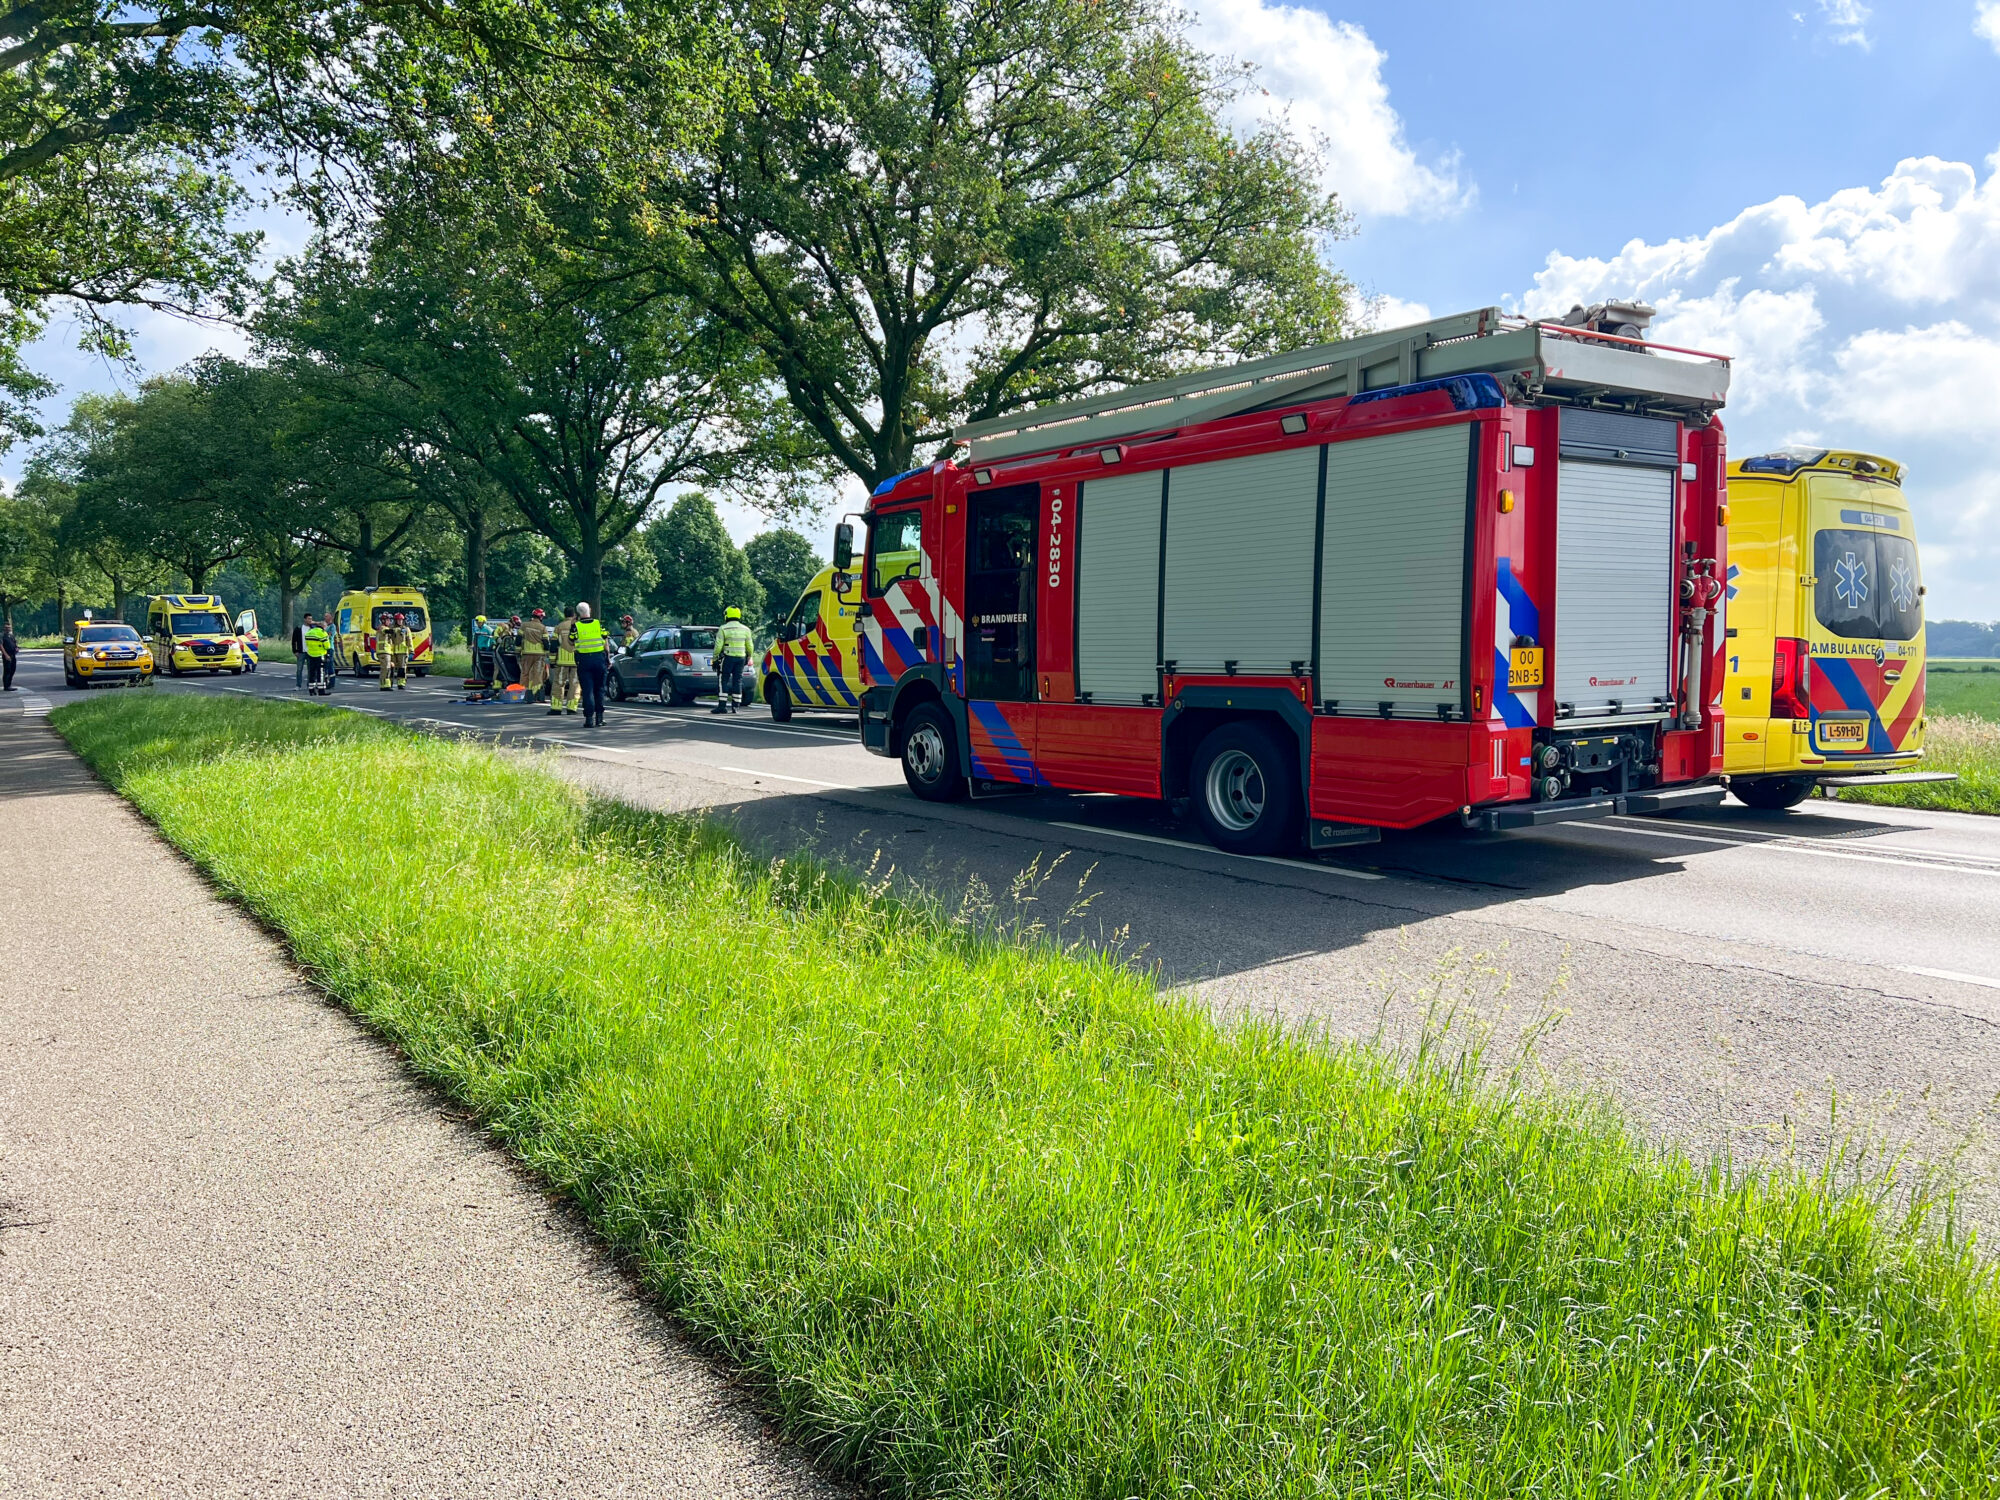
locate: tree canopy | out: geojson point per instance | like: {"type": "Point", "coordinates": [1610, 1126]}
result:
{"type": "Point", "coordinates": [955, 210]}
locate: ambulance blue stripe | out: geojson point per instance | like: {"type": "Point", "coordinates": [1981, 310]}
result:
{"type": "Point", "coordinates": [1841, 674]}
{"type": "Point", "coordinates": [810, 666]}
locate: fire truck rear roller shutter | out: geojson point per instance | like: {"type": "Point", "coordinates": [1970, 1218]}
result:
{"type": "Point", "coordinates": [1240, 563]}
{"type": "Point", "coordinates": [1117, 588]}
{"type": "Point", "coordinates": [1614, 587]}
{"type": "Point", "coordinates": [1392, 585]}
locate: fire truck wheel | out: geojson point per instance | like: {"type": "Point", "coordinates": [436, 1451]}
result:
{"type": "Point", "coordinates": [930, 755]}
{"type": "Point", "coordinates": [1772, 793]}
{"type": "Point", "coordinates": [780, 698]}
{"type": "Point", "coordinates": [1246, 796]}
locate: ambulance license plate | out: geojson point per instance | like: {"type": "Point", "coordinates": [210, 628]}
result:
{"type": "Point", "coordinates": [1524, 667]}
{"type": "Point", "coordinates": [1843, 731]}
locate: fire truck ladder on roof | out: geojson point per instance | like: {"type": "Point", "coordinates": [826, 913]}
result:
{"type": "Point", "coordinates": [1539, 358]}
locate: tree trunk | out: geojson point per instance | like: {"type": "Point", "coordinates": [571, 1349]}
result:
{"type": "Point", "coordinates": [476, 547]}
{"type": "Point", "coordinates": [590, 568]}
{"type": "Point", "coordinates": [198, 577]}
{"type": "Point", "coordinates": [365, 560]}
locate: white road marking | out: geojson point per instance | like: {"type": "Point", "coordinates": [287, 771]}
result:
{"type": "Point", "coordinates": [837, 786]}
{"type": "Point", "coordinates": [1953, 974]}
{"type": "Point", "coordinates": [1782, 846]}
{"type": "Point", "coordinates": [1262, 859]}
{"type": "Point", "coordinates": [35, 706]}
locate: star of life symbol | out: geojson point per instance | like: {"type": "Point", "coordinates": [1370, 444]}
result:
{"type": "Point", "coordinates": [1902, 584]}
{"type": "Point", "coordinates": [1850, 581]}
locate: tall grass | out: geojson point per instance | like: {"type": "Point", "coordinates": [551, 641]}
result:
{"type": "Point", "coordinates": [988, 1219]}
{"type": "Point", "coordinates": [1962, 743]}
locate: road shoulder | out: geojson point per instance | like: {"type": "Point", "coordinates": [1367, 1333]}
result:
{"type": "Point", "coordinates": [241, 1252]}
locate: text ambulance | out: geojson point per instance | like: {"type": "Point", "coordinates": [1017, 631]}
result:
{"type": "Point", "coordinates": [1466, 568]}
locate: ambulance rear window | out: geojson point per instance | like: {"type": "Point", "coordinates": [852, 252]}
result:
{"type": "Point", "coordinates": [1867, 585]}
{"type": "Point", "coordinates": [413, 615]}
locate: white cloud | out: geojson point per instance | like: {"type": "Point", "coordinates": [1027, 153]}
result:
{"type": "Point", "coordinates": [1385, 311]}
{"type": "Point", "coordinates": [1324, 80]}
{"type": "Point", "coordinates": [1986, 21]}
{"type": "Point", "coordinates": [1847, 22]}
{"type": "Point", "coordinates": [1871, 320]}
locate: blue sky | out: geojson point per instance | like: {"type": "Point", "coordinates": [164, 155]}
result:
{"type": "Point", "coordinates": [1813, 187]}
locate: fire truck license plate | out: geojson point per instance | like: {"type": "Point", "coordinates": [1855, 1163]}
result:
{"type": "Point", "coordinates": [1524, 668]}
{"type": "Point", "coordinates": [1843, 731]}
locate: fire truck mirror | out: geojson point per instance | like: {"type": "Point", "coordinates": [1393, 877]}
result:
{"type": "Point", "coordinates": [843, 546]}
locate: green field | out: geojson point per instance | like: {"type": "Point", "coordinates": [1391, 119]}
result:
{"type": "Point", "coordinates": [1962, 703]}
{"type": "Point", "coordinates": [1963, 687]}
{"type": "Point", "coordinates": [978, 1217]}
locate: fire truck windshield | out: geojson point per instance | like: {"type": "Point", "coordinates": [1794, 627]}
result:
{"type": "Point", "coordinates": [895, 547]}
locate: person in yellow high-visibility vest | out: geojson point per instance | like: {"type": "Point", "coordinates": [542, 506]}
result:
{"type": "Point", "coordinates": [562, 685]}
{"type": "Point", "coordinates": [593, 665]}
{"type": "Point", "coordinates": [733, 645]}
{"type": "Point", "coordinates": [318, 644]}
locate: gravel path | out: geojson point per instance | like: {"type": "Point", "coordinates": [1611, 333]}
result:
{"type": "Point", "coordinates": [241, 1253]}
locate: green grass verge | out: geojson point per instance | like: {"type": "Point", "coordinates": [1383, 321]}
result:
{"type": "Point", "coordinates": [985, 1218]}
{"type": "Point", "coordinates": [1963, 743]}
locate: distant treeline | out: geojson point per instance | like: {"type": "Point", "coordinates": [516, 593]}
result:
{"type": "Point", "coordinates": [1963, 638]}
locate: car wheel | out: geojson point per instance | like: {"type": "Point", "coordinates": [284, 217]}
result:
{"type": "Point", "coordinates": [617, 688]}
{"type": "Point", "coordinates": [235, 671]}
{"type": "Point", "coordinates": [780, 698]}
{"type": "Point", "coordinates": [1245, 791]}
{"type": "Point", "coordinates": [1772, 793]}
{"type": "Point", "coordinates": [930, 755]}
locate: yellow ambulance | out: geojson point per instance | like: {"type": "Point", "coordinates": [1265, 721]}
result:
{"type": "Point", "coordinates": [814, 663]}
{"type": "Point", "coordinates": [1824, 617]}
{"type": "Point", "coordinates": [192, 633]}
{"type": "Point", "coordinates": [361, 613]}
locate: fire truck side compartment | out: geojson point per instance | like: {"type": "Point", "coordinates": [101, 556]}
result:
{"type": "Point", "coordinates": [1117, 576]}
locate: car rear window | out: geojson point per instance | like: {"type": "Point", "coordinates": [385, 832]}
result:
{"type": "Point", "coordinates": [697, 638]}
{"type": "Point", "coordinates": [1866, 585]}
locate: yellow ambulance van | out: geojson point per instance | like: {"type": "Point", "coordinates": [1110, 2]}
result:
{"type": "Point", "coordinates": [1824, 616]}
{"type": "Point", "coordinates": [814, 662]}
{"type": "Point", "coordinates": [360, 613]}
{"type": "Point", "coordinates": [192, 633]}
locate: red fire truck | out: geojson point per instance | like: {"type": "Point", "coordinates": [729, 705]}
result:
{"type": "Point", "coordinates": [1463, 568]}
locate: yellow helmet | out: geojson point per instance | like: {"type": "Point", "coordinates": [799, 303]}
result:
{"type": "Point", "coordinates": [732, 613]}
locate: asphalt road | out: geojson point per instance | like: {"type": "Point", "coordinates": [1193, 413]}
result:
{"type": "Point", "coordinates": [244, 1253]}
{"type": "Point", "coordinates": [1760, 982]}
